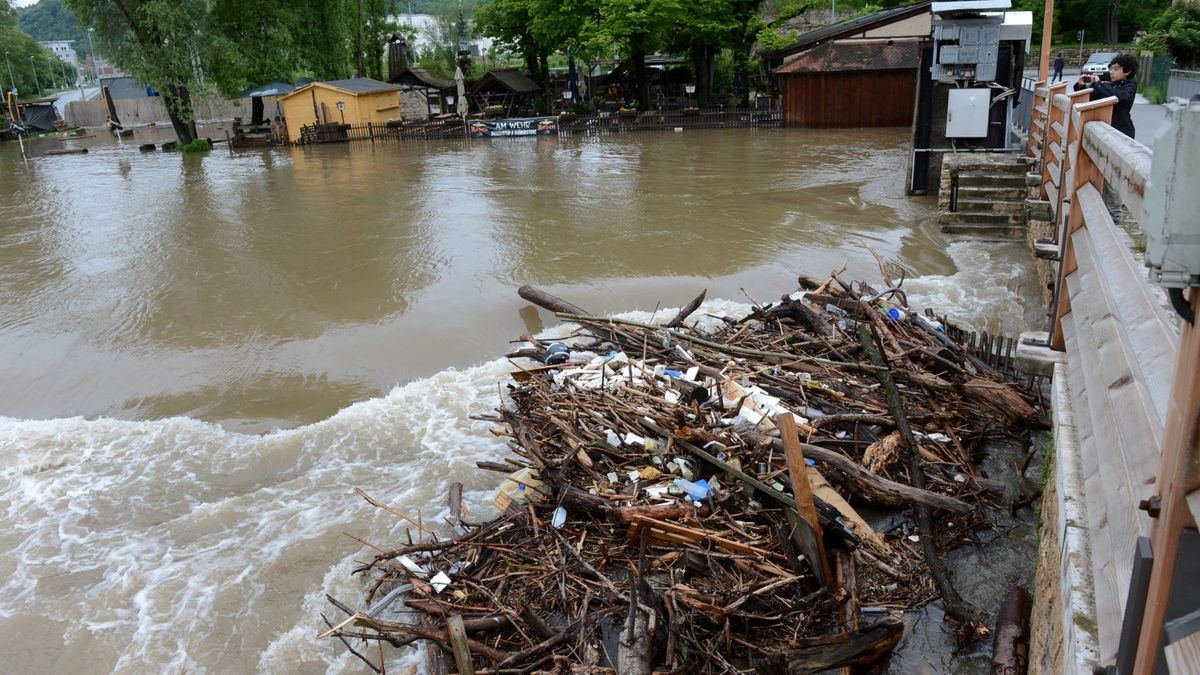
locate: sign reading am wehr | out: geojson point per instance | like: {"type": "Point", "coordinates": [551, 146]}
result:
{"type": "Point", "coordinates": [529, 126]}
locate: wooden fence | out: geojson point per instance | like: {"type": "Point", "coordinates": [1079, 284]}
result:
{"type": "Point", "coordinates": [712, 118]}
{"type": "Point", "coordinates": [451, 127]}
{"type": "Point", "coordinates": [1133, 379]}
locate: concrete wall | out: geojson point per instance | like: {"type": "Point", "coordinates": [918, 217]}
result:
{"type": "Point", "coordinates": [1183, 84]}
{"type": "Point", "coordinates": [141, 111]}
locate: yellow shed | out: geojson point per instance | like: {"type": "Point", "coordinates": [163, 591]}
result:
{"type": "Point", "coordinates": [355, 101]}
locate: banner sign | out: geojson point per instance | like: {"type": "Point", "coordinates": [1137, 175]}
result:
{"type": "Point", "coordinates": [529, 126]}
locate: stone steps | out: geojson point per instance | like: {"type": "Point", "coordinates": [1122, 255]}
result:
{"type": "Point", "coordinates": [992, 179]}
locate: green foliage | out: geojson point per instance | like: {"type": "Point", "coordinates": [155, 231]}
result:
{"type": "Point", "coordinates": [49, 20]}
{"type": "Point", "coordinates": [32, 65]}
{"type": "Point", "coordinates": [198, 145]}
{"type": "Point", "coordinates": [1177, 32]}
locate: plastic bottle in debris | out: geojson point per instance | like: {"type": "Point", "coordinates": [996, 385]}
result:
{"type": "Point", "coordinates": [698, 491]}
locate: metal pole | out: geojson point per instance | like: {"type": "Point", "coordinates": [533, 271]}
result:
{"type": "Point", "coordinates": [11, 82]}
{"type": "Point", "coordinates": [1081, 47]}
{"type": "Point", "coordinates": [33, 64]}
{"type": "Point", "coordinates": [92, 54]}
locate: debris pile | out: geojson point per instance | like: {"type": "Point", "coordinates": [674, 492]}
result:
{"type": "Point", "coordinates": [680, 496]}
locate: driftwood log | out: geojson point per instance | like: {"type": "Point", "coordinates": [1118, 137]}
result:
{"type": "Point", "coordinates": [860, 647]}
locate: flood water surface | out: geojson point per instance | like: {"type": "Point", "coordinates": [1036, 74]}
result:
{"type": "Point", "coordinates": [204, 356]}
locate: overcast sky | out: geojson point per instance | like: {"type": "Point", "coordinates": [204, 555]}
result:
{"type": "Point", "coordinates": [23, 3]}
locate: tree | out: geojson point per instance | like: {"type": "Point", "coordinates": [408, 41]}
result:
{"type": "Point", "coordinates": [635, 28]}
{"type": "Point", "coordinates": [31, 64]}
{"type": "Point", "coordinates": [1177, 31]}
{"type": "Point", "coordinates": [49, 20]}
{"type": "Point", "coordinates": [159, 43]}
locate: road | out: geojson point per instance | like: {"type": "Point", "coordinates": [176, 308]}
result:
{"type": "Point", "coordinates": [73, 95]}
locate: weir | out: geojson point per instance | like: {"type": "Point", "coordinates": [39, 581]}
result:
{"type": "Point", "coordinates": [1112, 591]}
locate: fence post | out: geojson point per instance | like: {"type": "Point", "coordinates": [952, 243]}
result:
{"type": "Point", "coordinates": [370, 132]}
{"type": "Point", "coordinates": [1085, 171]}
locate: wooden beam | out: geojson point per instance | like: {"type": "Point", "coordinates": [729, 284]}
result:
{"type": "Point", "coordinates": [458, 642]}
{"type": "Point", "coordinates": [802, 489]}
{"type": "Point", "coordinates": [1181, 451]}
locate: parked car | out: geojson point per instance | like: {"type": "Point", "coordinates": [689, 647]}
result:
{"type": "Point", "coordinates": [1098, 62]}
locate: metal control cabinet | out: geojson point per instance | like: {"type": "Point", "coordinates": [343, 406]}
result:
{"type": "Point", "coordinates": [966, 39]}
{"type": "Point", "coordinates": [1172, 201]}
{"type": "Point", "coordinates": [967, 113]}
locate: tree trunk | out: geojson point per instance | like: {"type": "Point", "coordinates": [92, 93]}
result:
{"type": "Point", "coordinates": [638, 57]}
{"type": "Point", "coordinates": [179, 109]}
{"type": "Point", "coordinates": [702, 59]}
{"type": "Point", "coordinates": [1111, 28]}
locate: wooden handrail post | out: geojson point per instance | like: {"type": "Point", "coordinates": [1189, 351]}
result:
{"type": "Point", "coordinates": [1085, 171]}
{"type": "Point", "coordinates": [1071, 147]}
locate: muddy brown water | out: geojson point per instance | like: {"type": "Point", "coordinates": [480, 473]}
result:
{"type": "Point", "coordinates": [204, 355]}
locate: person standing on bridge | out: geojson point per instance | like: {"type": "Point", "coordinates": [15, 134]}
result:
{"type": "Point", "coordinates": [1058, 66]}
{"type": "Point", "coordinates": [1119, 82]}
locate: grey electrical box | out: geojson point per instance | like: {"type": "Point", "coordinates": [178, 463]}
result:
{"type": "Point", "coordinates": [1172, 200]}
{"type": "Point", "coordinates": [967, 113]}
{"type": "Point", "coordinates": [966, 37]}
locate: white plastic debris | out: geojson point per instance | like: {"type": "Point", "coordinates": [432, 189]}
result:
{"type": "Point", "coordinates": [691, 373]}
{"type": "Point", "coordinates": [612, 476]}
{"type": "Point", "coordinates": [412, 566]}
{"type": "Point", "coordinates": [559, 518]}
{"type": "Point", "coordinates": [940, 438]}
{"type": "Point", "coordinates": [440, 581]}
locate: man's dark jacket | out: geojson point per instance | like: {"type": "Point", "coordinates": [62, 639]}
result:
{"type": "Point", "coordinates": [1125, 91]}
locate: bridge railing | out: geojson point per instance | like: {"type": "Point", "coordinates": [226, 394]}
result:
{"type": "Point", "coordinates": [1126, 368]}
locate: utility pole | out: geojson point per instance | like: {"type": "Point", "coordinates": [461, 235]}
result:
{"type": "Point", "coordinates": [92, 54]}
{"type": "Point", "coordinates": [1081, 48]}
{"type": "Point", "coordinates": [1047, 29]}
{"type": "Point", "coordinates": [11, 82]}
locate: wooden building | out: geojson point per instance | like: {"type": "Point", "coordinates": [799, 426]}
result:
{"type": "Point", "coordinates": [852, 83]}
{"type": "Point", "coordinates": [857, 73]}
{"type": "Point", "coordinates": [508, 89]}
{"type": "Point", "coordinates": [355, 101]}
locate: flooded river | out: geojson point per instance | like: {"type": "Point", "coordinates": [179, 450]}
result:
{"type": "Point", "coordinates": [204, 356]}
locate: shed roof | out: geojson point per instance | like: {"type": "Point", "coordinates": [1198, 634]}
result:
{"type": "Point", "coordinates": [360, 85]}
{"type": "Point", "coordinates": [510, 79]}
{"type": "Point", "coordinates": [851, 27]}
{"type": "Point", "coordinates": [858, 55]}
{"type": "Point", "coordinates": [419, 77]}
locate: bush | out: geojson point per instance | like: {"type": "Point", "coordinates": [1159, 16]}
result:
{"type": "Point", "coordinates": [198, 145]}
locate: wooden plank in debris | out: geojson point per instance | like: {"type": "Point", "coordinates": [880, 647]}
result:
{"type": "Point", "coordinates": [660, 529]}
{"type": "Point", "coordinates": [802, 490]}
{"type": "Point", "coordinates": [458, 643]}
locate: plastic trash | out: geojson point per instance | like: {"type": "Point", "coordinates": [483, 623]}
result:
{"type": "Point", "coordinates": [559, 517]}
{"type": "Point", "coordinates": [517, 488]}
{"type": "Point", "coordinates": [698, 490]}
{"type": "Point", "coordinates": [440, 581]}
{"type": "Point", "coordinates": [557, 353]}
{"type": "Point", "coordinates": [895, 313]}
{"type": "Point", "coordinates": [677, 374]}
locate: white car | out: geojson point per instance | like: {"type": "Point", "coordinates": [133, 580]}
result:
{"type": "Point", "coordinates": [1098, 63]}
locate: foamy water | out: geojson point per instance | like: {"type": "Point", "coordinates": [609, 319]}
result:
{"type": "Point", "coordinates": [177, 545]}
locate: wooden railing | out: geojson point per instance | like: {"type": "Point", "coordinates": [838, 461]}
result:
{"type": "Point", "coordinates": [1134, 382]}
